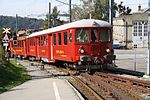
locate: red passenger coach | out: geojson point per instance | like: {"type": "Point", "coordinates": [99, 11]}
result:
{"type": "Point", "coordinates": [18, 47]}
{"type": "Point", "coordinates": [85, 42]}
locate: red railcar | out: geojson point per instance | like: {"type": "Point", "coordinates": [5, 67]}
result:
{"type": "Point", "coordinates": [18, 47]}
{"type": "Point", "coordinates": [81, 44]}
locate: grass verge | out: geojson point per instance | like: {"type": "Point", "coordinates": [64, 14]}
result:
{"type": "Point", "coordinates": [11, 75]}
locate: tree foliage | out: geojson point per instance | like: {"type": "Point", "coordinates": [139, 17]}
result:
{"type": "Point", "coordinates": [54, 19]}
{"type": "Point", "coordinates": [98, 9]}
{"type": "Point", "coordinates": [123, 10]}
{"type": "Point", "coordinates": [23, 22]}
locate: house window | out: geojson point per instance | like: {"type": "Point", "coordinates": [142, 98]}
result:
{"type": "Point", "coordinates": [135, 24]}
{"type": "Point", "coordinates": [140, 29]}
{"type": "Point", "coordinates": [145, 29]}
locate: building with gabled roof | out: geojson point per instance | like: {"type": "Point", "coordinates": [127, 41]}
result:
{"type": "Point", "coordinates": [132, 29]}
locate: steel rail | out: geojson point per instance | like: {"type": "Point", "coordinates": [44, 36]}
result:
{"type": "Point", "coordinates": [89, 93]}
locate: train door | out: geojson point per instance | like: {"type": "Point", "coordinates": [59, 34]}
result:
{"type": "Point", "coordinates": [50, 48]}
{"type": "Point", "coordinates": [38, 46]}
{"type": "Point", "coordinates": [24, 47]}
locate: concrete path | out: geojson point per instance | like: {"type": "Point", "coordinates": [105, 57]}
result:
{"type": "Point", "coordinates": [41, 88]}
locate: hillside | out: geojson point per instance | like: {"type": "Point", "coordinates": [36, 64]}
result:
{"type": "Point", "coordinates": [23, 22]}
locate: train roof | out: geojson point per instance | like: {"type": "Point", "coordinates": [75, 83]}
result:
{"type": "Point", "coordinates": [76, 24]}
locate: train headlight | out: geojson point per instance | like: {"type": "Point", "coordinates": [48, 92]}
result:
{"type": "Point", "coordinates": [107, 50]}
{"type": "Point", "coordinates": [81, 51]}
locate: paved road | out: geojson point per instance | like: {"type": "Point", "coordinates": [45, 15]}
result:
{"type": "Point", "coordinates": [126, 59]}
{"type": "Point", "coordinates": [41, 88]}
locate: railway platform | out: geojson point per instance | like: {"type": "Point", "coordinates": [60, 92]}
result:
{"type": "Point", "coordinates": [41, 87]}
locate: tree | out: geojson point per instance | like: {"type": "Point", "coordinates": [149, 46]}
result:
{"type": "Point", "coordinates": [123, 10]}
{"type": "Point", "coordinates": [98, 9]}
{"type": "Point", "coordinates": [54, 19]}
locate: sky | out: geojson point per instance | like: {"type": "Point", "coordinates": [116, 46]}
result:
{"type": "Point", "coordinates": [35, 8]}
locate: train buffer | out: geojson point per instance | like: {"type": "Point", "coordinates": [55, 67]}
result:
{"type": "Point", "coordinates": [41, 65]}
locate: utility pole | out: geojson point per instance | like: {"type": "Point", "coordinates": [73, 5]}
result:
{"type": "Point", "coordinates": [70, 20]}
{"type": "Point", "coordinates": [49, 16]}
{"type": "Point", "coordinates": [148, 61]}
{"type": "Point", "coordinates": [15, 38]}
{"type": "Point", "coordinates": [16, 25]}
{"type": "Point", "coordinates": [111, 3]}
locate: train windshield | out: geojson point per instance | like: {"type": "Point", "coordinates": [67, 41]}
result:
{"type": "Point", "coordinates": [104, 34]}
{"type": "Point", "coordinates": [82, 35]}
{"type": "Point", "coordinates": [94, 35]}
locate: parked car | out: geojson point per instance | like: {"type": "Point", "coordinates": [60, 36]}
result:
{"type": "Point", "coordinates": [116, 44]}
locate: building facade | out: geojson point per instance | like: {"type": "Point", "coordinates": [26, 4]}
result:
{"type": "Point", "coordinates": [132, 29]}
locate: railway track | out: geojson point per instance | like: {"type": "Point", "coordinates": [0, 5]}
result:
{"type": "Point", "coordinates": [118, 87]}
{"type": "Point", "coordinates": [106, 86]}
{"type": "Point", "coordinates": [85, 90]}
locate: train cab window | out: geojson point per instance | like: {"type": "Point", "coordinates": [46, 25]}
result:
{"type": "Point", "coordinates": [59, 38]}
{"type": "Point", "coordinates": [104, 35]}
{"type": "Point", "coordinates": [82, 35]}
{"type": "Point", "coordinates": [54, 39]}
{"type": "Point", "coordinates": [94, 35]}
{"type": "Point", "coordinates": [65, 38]}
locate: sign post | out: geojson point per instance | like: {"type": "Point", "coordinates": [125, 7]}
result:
{"type": "Point", "coordinates": [5, 41]}
{"type": "Point", "coordinates": [148, 50]}
{"type": "Point", "coordinates": [135, 46]}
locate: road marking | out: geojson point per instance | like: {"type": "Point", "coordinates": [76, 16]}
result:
{"type": "Point", "coordinates": [56, 91]}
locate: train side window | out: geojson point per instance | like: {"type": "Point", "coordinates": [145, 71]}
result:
{"type": "Point", "coordinates": [65, 38]}
{"type": "Point", "coordinates": [45, 40]}
{"type": "Point", "coordinates": [59, 38]}
{"type": "Point", "coordinates": [22, 44]}
{"type": "Point", "coordinates": [70, 37]}
{"type": "Point", "coordinates": [41, 40]}
{"type": "Point", "coordinates": [54, 39]}
{"type": "Point", "coordinates": [38, 41]}
{"type": "Point", "coordinates": [33, 41]}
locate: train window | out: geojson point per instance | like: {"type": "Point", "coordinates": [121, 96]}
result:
{"type": "Point", "coordinates": [65, 38]}
{"type": "Point", "coordinates": [82, 35]}
{"type": "Point", "coordinates": [59, 38]}
{"type": "Point", "coordinates": [45, 40]}
{"type": "Point", "coordinates": [54, 39]}
{"type": "Point", "coordinates": [70, 37]}
{"type": "Point", "coordinates": [94, 35]}
{"type": "Point", "coordinates": [104, 34]}
{"type": "Point", "coordinates": [33, 41]}
{"type": "Point", "coordinates": [22, 44]}
{"type": "Point", "coordinates": [39, 41]}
